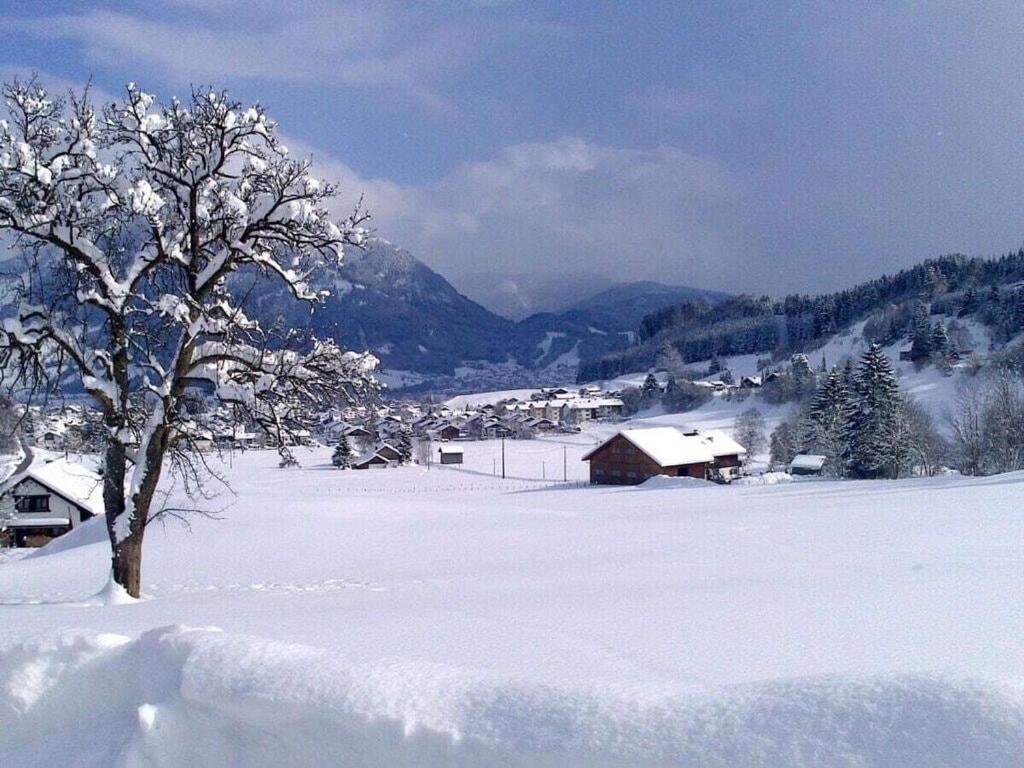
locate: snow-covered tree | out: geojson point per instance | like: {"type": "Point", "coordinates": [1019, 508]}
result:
{"type": "Point", "coordinates": [650, 389]}
{"type": "Point", "coordinates": [144, 228]}
{"type": "Point", "coordinates": [669, 360]}
{"type": "Point", "coordinates": [967, 424]}
{"type": "Point", "coordinates": [403, 444]}
{"type": "Point", "coordinates": [342, 456]}
{"type": "Point", "coordinates": [940, 340]}
{"type": "Point", "coordinates": [825, 428]}
{"type": "Point", "coordinates": [750, 431]}
{"type": "Point", "coordinates": [920, 333]}
{"type": "Point", "coordinates": [784, 443]}
{"type": "Point", "coordinates": [873, 409]}
{"type": "Point", "coordinates": [929, 448]}
{"type": "Point", "coordinates": [803, 375]}
{"type": "Point", "coordinates": [1004, 422]}
{"type": "Point", "coordinates": [422, 448]}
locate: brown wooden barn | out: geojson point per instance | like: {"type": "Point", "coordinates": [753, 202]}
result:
{"type": "Point", "coordinates": [635, 455]}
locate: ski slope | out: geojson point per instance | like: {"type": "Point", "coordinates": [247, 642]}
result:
{"type": "Point", "coordinates": [448, 617]}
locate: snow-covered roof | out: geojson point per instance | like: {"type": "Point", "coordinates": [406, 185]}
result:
{"type": "Point", "coordinates": [451, 449]}
{"type": "Point", "coordinates": [34, 522]}
{"type": "Point", "coordinates": [594, 402]}
{"type": "Point", "coordinates": [75, 482]}
{"type": "Point", "coordinates": [370, 456]}
{"type": "Point", "coordinates": [720, 443]}
{"type": "Point", "coordinates": [807, 461]}
{"type": "Point", "coordinates": [670, 448]}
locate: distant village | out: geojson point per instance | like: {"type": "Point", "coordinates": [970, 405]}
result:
{"type": "Point", "coordinates": [375, 434]}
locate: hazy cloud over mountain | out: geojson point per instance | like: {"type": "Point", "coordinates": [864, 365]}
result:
{"type": "Point", "coordinates": [778, 148]}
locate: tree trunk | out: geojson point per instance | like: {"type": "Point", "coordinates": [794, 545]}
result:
{"type": "Point", "coordinates": [126, 560]}
{"type": "Point", "coordinates": [126, 563]}
{"type": "Point", "coordinates": [126, 555]}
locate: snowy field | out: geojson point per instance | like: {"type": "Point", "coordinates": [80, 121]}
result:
{"type": "Point", "coordinates": [448, 617]}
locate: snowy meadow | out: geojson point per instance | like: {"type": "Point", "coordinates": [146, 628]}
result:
{"type": "Point", "coordinates": [451, 617]}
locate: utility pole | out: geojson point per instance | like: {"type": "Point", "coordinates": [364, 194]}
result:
{"type": "Point", "coordinates": [503, 456]}
{"type": "Point", "coordinates": [565, 465]}
{"type": "Point", "coordinates": [543, 472]}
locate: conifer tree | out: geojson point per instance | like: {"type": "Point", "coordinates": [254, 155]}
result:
{"type": "Point", "coordinates": [920, 333]}
{"type": "Point", "coordinates": [403, 444]}
{"type": "Point", "coordinates": [969, 303]}
{"type": "Point", "coordinates": [873, 410]}
{"type": "Point", "coordinates": [803, 376]}
{"type": "Point", "coordinates": [827, 422]}
{"type": "Point", "coordinates": [342, 456]}
{"type": "Point", "coordinates": [940, 340]}
{"type": "Point", "coordinates": [650, 388]}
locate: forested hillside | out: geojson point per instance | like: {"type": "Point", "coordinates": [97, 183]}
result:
{"type": "Point", "coordinates": [988, 289]}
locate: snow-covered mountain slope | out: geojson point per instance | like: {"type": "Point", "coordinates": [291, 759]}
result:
{"type": "Point", "coordinates": [386, 300]}
{"type": "Point", "coordinates": [624, 306]}
{"type": "Point", "coordinates": [448, 617]}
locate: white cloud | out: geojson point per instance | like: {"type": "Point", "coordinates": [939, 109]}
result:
{"type": "Point", "coordinates": [623, 213]}
{"type": "Point", "coordinates": [386, 46]}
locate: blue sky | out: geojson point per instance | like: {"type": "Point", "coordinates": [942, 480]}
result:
{"type": "Point", "coordinates": [741, 146]}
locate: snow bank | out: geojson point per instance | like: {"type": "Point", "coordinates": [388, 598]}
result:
{"type": "Point", "coordinates": [767, 478]}
{"type": "Point", "coordinates": [667, 481]}
{"type": "Point", "coordinates": [199, 697]}
{"type": "Point", "coordinates": [92, 531]}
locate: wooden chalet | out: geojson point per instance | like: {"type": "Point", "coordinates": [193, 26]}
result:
{"type": "Point", "coordinates": [635, 455]}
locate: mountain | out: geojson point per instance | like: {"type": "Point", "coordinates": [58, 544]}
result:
{"type": "Point", "coordinates": [427, 333]}
{"type": "Point", "coordinates": [623, 306]}
{"type": "Point", "coordinates": [385, 300]}
{"type": "Point", "coordinates": [519, 295]}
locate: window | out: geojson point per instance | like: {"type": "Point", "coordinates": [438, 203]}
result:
{"type": "Point", "coordinates": [631, 474]}
{"type": "Point", "coordinates": [28, 504]}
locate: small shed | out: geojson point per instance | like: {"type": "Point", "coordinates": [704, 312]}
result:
{"type": "Point", "coordinates": [450, 454]}
{"type": "Point", "coordinates": [807, 464]}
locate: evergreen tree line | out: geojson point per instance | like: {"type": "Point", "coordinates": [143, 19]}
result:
{"type": "Point", "coordinates": [863, 425]}
{"type": "Point", "coordinates": [744, 324]}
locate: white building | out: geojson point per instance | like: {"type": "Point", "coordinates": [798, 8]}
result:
{"type": "Point", "coordinates": [49, 500]}
{"type": "Point", "coordinates": [590, 409]}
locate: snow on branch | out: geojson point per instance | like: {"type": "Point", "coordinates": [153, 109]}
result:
{"type": "Point", "coordinates": [139, 223]}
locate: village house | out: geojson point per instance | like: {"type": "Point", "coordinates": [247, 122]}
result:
{"type": "Point", "coordinates": [373, 460]}
{"type": "Point", "coordinates": [635, 455]}
{"type": "Point", "coordinates": [586, 409]}
{"type": "Point", "coordinates": [381, 456]}
{"type": "Point", "coordinates": [553, 393]}
{"type": "Point", "coordinates": [52, 498]}
{"type": "Point", "coordinates": [446, 432]}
